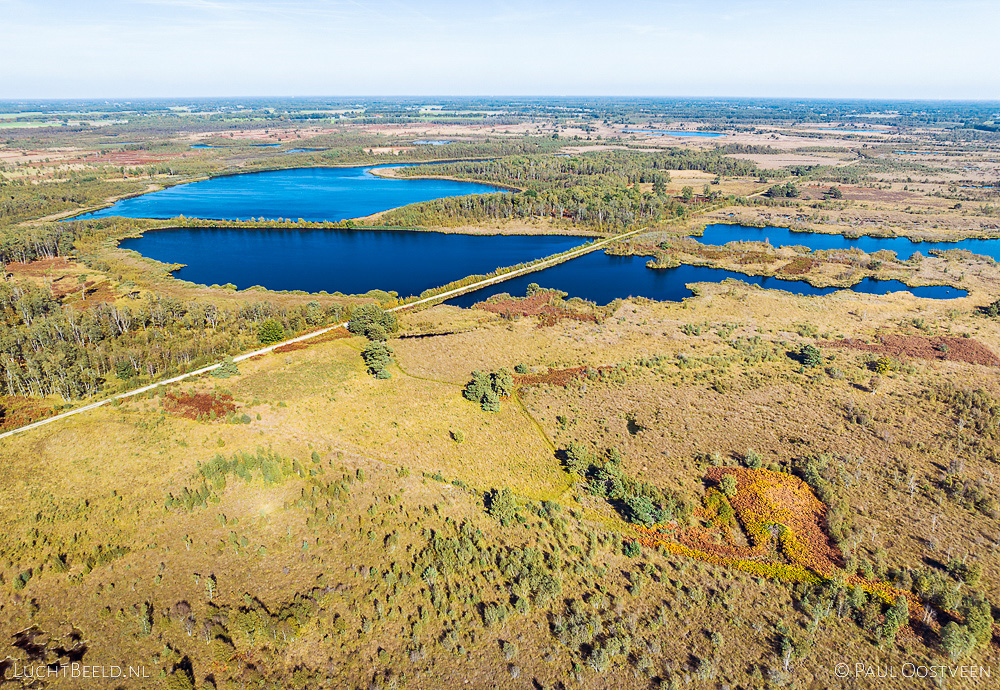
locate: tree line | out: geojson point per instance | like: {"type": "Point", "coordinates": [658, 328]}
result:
{"type": "Point", "coordinates": [600, 190]}
{"type": "Point", "coordinates": [47, 348]}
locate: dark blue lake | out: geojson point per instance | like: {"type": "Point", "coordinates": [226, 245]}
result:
{"type": "Point", "coordinates": [601, 278]}
{"type": "Point", "coordinates": [719, 234]}
{"type": "Point", "coordinates": [348, 261]}
{"type": "Point", "coordinates": [314, 194]}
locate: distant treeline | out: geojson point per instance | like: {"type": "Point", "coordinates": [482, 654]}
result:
{"type": "Point", "coordinates": [598, 189]}
{"type": "Point", "coordinates": [21, 200]}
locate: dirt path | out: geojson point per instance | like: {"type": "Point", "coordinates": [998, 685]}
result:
{"type": "Point", "coordinates": [544, 263]}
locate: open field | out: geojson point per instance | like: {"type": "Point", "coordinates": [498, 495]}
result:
{"type": "Point", "coordinates": [739, 490]}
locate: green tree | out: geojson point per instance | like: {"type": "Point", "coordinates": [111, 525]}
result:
{"type": "Point", "coordinates": [124, 370]}
{"type": "Point", "coordinates": [491, 401]}
{"type": "Point", "coordinates": [501, 505]}
{"type": "Point", "coordinates": [578, 458]}
{"type": "Point", "coordinates": [503, 383]}
{"type": "Point", "coordinates": [687, 194]}
{"type": "Point", "coordinates": [810, 356]}
{"type": "Point", "coordinates": [377, 356]}
{"type": "Point", "coordinates": [270, 332]}
{"type": "Point", "coordinates": [640, 510]}
{"type": "Point", "coordinates": [477, 387]}
{"type": "Point", "coordinates": [226, 369]}
{"type": "Point", "coordinates": [956, 640]}
{"type": "Point", "coordinates": [373, 322]}
{"type": "Point", "coordinates": [978, 618]}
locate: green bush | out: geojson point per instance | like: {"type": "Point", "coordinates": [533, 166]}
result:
{"type": "Point", "coordinates": [228, 368]}
{"type": "Point", "coordinates": [810, 356]}
{"type": "Point", "coordinates": [270, 332]}
{"type": "Point", "coordinates": [487, 389]}
{"type": "Point", "coordinates": [377, 356]}
{"type": "Point", "coordinates": [501, 505]}
{"type": "Point", "coordinates": [373, 322]}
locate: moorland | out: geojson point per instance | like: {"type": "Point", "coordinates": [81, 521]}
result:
{"type": "Point", "coordinates": [730, 487]}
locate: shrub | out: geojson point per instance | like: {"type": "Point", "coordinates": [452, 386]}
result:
{"type": "Point", "coordinates": [487, 389]}
{"type": "Point", "coordinates": [226, 369]}
{"type": "Point", "coordinates": [377, 356]}
{"type": "Point", "coordinates": [992, 309]}
{"type": "Point", "coordinates": [501, 505]}
{"type": "Point", "coordinates": [753, 459]}
{"type": "Point", "coordinates": [810, 356]}
{"type": "Point", "coordinates": [373, 322]}
{"type": "Point", "coordinates": [728, 485]}
{"type": "Point", "coordinates": [520, 369]}
{"type": "Point", "coordinates": [956, 640]}
{"type": "Point", "coordinates": [270, 332]}
{"type": "Point", "coordinates": [632, 549]}
{"type": "Point", "coordinates": [882, 365]}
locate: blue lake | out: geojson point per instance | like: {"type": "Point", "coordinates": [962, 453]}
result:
{"type": "Point", "coordinates": [314, 194]}
{"type": "Point", "coordinates": [601, 278]}
{"type": "Point", "coordinates": [210, 146]}
{"type": "Point", "coordinates": [857, 131]}
{"type": "Point", "coordinates": [348, 261]}
{"type": "Point", "coordinates": [719, 234]}
{"type": "Point", "coordinates": [433, 142]}
{"type": "Point", "coordinates": [673, 133]}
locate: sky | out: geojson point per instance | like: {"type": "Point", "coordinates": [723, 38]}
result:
{"type": "Point", "coordinates": [942, 49]}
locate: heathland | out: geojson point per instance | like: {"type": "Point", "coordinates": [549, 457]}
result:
{"type": "Point", "coordinates": [740, 488]}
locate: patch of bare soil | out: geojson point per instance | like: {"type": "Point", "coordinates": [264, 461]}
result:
{"type": "Point", "coordinates": [947, 348]}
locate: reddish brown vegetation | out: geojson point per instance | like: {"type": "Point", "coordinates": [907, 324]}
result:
{"type": "Point", "coordinates": [335, 334]}
{"type": "Point", "coordinates": [537, 305]}
{"type": "Point", "coordinates": [798, 266]}
{"type": "Point", "coordinates": [772, 507]}
{"type": "Point", "coordinates": [39, 267]}
{"type": "Point", "coordinates": [16, 411]}
{"type": "Point", "coordinates": [195, 405]}
{"type": "Point", "coordinates": [556, 377]}
{"type": "Point", "coordinates": [946, 348]}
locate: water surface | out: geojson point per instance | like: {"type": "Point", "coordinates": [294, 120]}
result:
{"type": "Point", "coordinates": [601, 278]}
{"type": "Point", "coordinates": [719, 234]}
{"type": "Point", "coordinates": [314, 194]}
{"type": "Point", "coordinates": [348, 261]}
